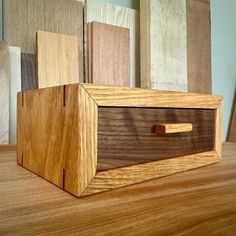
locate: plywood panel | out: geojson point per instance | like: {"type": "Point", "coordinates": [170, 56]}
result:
{"type": "Point", "coordinates": [64, 17]}
{"type": "Point", "coordinates": [28, 73]}
{"type": "Point", "coordinates": [4, 92]}
{"type": "Point", "coordinates": [15, 86]}
{"type": "Point", "coordinates": [110, 55]}
{"type": "Point", "coordinates": [57, 59]}
{"type": "Point", "coordinates": [232, 133]}
{"type": "Point", "coordinates": [163, 44]}
{"type": "Point", "coordinates": [199, 46]}
{"type": "Point", "coordinates": [96, 10]}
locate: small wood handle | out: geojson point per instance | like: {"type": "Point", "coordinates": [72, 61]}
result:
{"type": "Point", "coordinates": [165, 128]}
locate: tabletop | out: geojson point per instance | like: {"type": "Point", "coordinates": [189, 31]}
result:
{"type": "Point", "coordinates": [195, 202]}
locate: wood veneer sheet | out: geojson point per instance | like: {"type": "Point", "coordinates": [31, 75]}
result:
{"type": "Point", "coordinates": [28, 72]}
{"type": "Point", "coordinates": [57, 59]}
{"type": "Point", "coordinates": [4, 92]}
{"type": "Point", "coordinates": [163, 44]}
{"type": "Point", "coordinates": [96, 10]}
{"type": "Point", "coordinates": [110, 55]}
{"type": "Point", "coordinates": [23, 18]}
{"type": "Point", "coordinates": [199, 46]}
{"type": "Point", "coordinates": [15, 86]}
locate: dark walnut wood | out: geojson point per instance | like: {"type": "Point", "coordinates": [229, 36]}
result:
{"type": "Point", "coordinates": [126, 136]}
{"type": "Point", "coordinates": [28, 73]}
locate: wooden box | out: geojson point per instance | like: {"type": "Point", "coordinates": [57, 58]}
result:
{"type": "Point", "coordinates": [88, 139]}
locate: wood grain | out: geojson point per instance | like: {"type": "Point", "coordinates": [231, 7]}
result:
{"type": "Point", "coordinates": [96, 10]}
{"type": "Point", "coordinates": [4, 92]}
{"type": "Point", "coordinates": [199, 46]}
{"type": "Point", "coordinates": [57, 59]}
{"type": "Point", "coordinates": [126, 136]}
{"type": "Point", "coordinates": [109, 55]}
{"type": "Point", "coordinates": [127, 97]}
{"type": "Point", "coordinates": [15, 86]}
{"type": "Point", "coordinates": [163, 44]}
{"type": "Point", "coordinates": [169, 128]}
{"type": "Point", "coordinates": [28, 72]}
{"type": "Point", "coordinates": [180, 204]}
{"type": "Point", "coordinates": [232, 132]}
{"type": "Point", "coordinates": [63, 17]}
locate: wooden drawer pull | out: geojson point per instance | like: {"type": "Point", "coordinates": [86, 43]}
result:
{"type": "Point", "coordinates": [173, 128]}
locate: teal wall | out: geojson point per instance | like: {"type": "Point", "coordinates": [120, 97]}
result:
{"type": "Point", "coordinates": [223, 16]}
{"type": "Point", "coordinates": [0, 19]}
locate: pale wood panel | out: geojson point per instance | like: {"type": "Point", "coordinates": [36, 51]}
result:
{"type": "Point", "coordinates": [4, 92]}
{"type": "Point", "coordinates": [115, 96]}
{"type": "Point", "coordinates": [64, 17]}
{"type": "Point", "coordinates": [163, 44]}
{"type": "Point", "coordinates": [199, 46]}
{"type": "Point", "coordinates": [232, 132]}
{"type": "Point", "coordinates": [15, 86]}
{"type": "Point", "coordinates": [180, 204]}
{"type": "Point", "coordinates": [96, 10]}
{"type": "Point", "coordinates": [57, 59]}
{"type": "Point", "coordinates": [110, 55]}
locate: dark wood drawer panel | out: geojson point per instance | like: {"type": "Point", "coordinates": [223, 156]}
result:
{"type": "Point", "coordinates": [126, 135]}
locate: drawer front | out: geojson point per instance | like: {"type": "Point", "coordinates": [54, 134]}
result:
{"type": "Point", "coordinates": [127, 135]}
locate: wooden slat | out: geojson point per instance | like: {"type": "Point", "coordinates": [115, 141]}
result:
{"type": "Point", "coordinates": [109, 55]}
{"type": "Point", "coordinates": [96, 10]}
{"type": "Point", "coordinates": [199, 46]}
{"type": "Point", "coordinates": [163, 44]}
{"type": "Point", "coordinates": [28, 72]}
{"type": "Point", "coordinates": [126, 97]}
{"type": "Point", "coordinates": [23, 18]}
{"type": "Point", "coordinates": [57, 59]}
{"type": "Point", "coordinates": [15, 86]}
{"type": "Point", "coordinates": [4, 92]}
{"type": "Point", "coordinates": [126, 136]}
{"type": "Point", "coordinates": [232, 131]}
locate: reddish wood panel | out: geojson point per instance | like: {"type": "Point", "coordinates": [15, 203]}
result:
{"type": "Point", "coordinates": [126, 136]}
{"type": "Point", "coordinates": [108, 55]}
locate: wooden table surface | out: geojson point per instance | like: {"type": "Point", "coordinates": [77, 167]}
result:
{"type": "Point", "coordinates": [197, 202]}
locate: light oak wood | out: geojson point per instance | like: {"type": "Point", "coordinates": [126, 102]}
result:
{"type": "Point", "coordinates": [97, 10]}
{"type": "Point", "coordinates": [4, 92]}
{"type": "Point", "coordinates": [63, 147]}
{"type": "Point", "coordinates": [58, 16]}
{"type": "Point", "coordinates": [199, 46]}
{"type": "Point", "coordinates": [15, 86]}
{"type": "Point", "coordinates": [173, 128]}
{"type": "Point", "coordinates": [163, 44]}
{"type": "Point", "coordinates": [180, 204]}
{"type": "Point", "coordinates": [108, 54]}
{"type": "Point", "coordinates": [57, 59]}
{"type": "Point", "coordinates": [232, 131]}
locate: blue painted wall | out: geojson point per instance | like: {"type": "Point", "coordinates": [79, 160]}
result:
{"type": "Point", "coordinates": [223, 15]}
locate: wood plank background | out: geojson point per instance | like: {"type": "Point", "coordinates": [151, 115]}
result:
{"type": "Point", "coordinates": [176, 45]}
{"type": "Point", "coordinates": [199, 46]}
{"type": "Point", "coordinates": [28, 73]}
{"type": "Point", "coordinates": [15, 86]}
{"type": "Point", "coordinates": [63, 17]}
{"type": "Point", "coordinates": [4, 92]}
{"type": "Point", "coordinates": [109, 54]}
{"type": "Point", "coordinates": [96, 10]}
{"type": "Point", "coordinates": [57, 59]}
